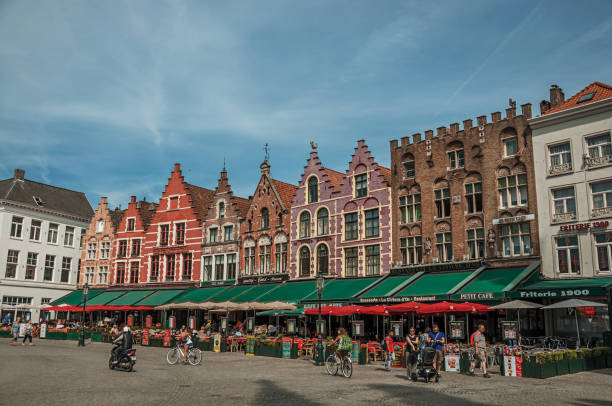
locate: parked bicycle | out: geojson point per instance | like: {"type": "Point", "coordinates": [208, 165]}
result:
{"type": "Point", "coordinates": [332, 364]}
{"type": "Point", "coordinates": [194, 355]}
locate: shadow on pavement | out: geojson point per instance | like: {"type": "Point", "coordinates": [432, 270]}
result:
{"type": "Point", "coordinates": [420, 395]}
{"type": "Point", "coordinates": [271, 394]}
{"type": "Point", "coordinates": [592, 402]}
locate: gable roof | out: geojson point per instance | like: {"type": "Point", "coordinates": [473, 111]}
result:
{"type": "Point", "coordinates": [116, 217]}
{"type": "Point", "coordinates": [242, 205]}
{"type": "Point", "coordinates": [602, 91]}
{"type": "Point", "coordinates": [146, 210]}
{"type": "Point", "coordinates": [386, 172]}
{"type": "Point", "coordinates": [202, 199]}
{"type": "Point", "coordinates": [334, 177]}
{"type": "Point", "coordinates": [285, 192]}
{"type": "Point", "coordinates": [53, 198]}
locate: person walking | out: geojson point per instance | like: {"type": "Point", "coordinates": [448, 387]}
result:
{"type": "Point", "coordinates": [437, 340]}
{"type": "Point", "coordinates": [29, 328]}
{"type": "Point", "coordinates": [479, 342]}
{"type": "Point", "coordinates": [389, 350]}
{"type": "Point", "coordinates": [412, 351]}
{"type": "Point", "coordinates": [15, 328]}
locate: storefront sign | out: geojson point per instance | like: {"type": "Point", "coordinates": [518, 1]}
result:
{"type": "Point", "coordinates": [515, 219]}
{"type": "Point", "coordinates": [148, 321]}
{"type": "Point", "coordinates": [457, 330]}
{"type": "Point", "coordinates": [130, 320]}
{"type": "Point", "coordinates": [440, 267]}
{"type": "Point", "coordinates": [513, 366]}
{"type": "Point", "coordinates": [477, 296]}
{"type": "Point", "coordinates": [167, 338]}
{"type": "Point", "coordinates": [534, 294]}
{"type": "Point", "coordinates": [256, 280]}
{"type": "Point", "coordinates": [217, 283]}
{"type": "Point", "coordinates": [145, 337]}
{"type": "Point", "coordinates": [584, 226]}
{"type": "Point", "coordinates": [43, 331]}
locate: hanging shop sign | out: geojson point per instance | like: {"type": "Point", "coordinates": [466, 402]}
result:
{"type": "Point", "coordinates": [584, 226]}
{"type": "Point", "coordinates": [357, 328]}
{"type": "Point", "coordinates": [515, 219]}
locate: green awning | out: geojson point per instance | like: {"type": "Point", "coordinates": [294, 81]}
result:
{"type": "Point", "coordinates": [492, 283]}
{"type": "Point", "coordinates": [253, 295]}
{"type": "Point", "coordinates": [296, 312]}
{"type": "Point", "coordinates": [563, 288]}
{"type": "Point", "coordinates": [131, 297]}
{"type": "Point", "coordinates": [290, 292]}
{"type": "Point", "coordinates": [231, 293]}
{"type": "Point", "coordinates": [105, 297]}
{"type": "Point", "coordinates": [75, 298]}
{"type": "Point", "coordinates": [386, 288]}
{"type": "Point", "coordinates": [342, 289]}
{"type": "Point", "coordinates": [160, 297]}
{"type": "Point", "coordinates": [432, 286]}
{"type": "Point", "coordinates": [200, 295]}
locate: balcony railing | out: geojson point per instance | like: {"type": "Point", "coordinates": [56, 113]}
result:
{"type": "Point", "coordinates": [563, 217]}
{"type": "Point", "coordinates": [603, 212]}
{"type": "Point", "coordinates": [598, 161]}
{"type": "Point", "coordinates": [560, 169]}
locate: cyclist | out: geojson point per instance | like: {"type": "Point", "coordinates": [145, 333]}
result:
{"type": "Point", "coordinates": [344, 344]}
{"type": "Point", "coordinates": [184, 338]}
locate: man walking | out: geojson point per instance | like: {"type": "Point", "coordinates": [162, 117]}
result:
{"type": "Point", "coordinates": [16, 327]}
{"type": "Point", "coordinates": [7, 320]}
{"type": "Point", "coordinates": [389, 350]}
{"type": "Point", "coordinates": [480, 345]}
{"type": "Point", "coordinates": [437, 340]}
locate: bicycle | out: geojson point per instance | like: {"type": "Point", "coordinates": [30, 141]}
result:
{"type": "Point", "coordinates": [194, 355]}
{"type": "Point", "coordinates": [332, 364]}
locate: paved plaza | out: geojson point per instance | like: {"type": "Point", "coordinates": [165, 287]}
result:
{"type": "Point", "coordinates": [58, 373]}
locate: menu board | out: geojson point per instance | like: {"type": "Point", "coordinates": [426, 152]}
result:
{"type": "Point", "coordinates": [250, 345]}
{"type": "Point", "coordinates": [509, 330]}
{"type": "Point", "coordinates": [513, 366]}
{"type": "Point", "coordinates": [456, 330]}
{"type": "Point", "coordinates": [291, 326]}
{"type": "Point", "coordinates": [145, 337]}
{"type": "Point", "coordinates": [217, 343]}
{"type": "Point", "coordinates": [167, 338]}
{"type": "Point", "coordinates": [451, 363]}
{"type": "Point", "coordinates": [357, 327]}
{"type": "Point", "coordinates": [43, 331]}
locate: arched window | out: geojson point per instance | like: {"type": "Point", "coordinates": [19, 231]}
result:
{"type": "Point", "coordinates": [322, 260]}
{"type": "Point", "coordinates": [221, 210]}
{"type": "Point", "coordinates": [313, 190]}
{"type": "Point", "coordinates": [304, 261]}
{"type": "Point", "coordinates": [322, 222]}
{"type": "Point", "coordinates": [305, 225]}
{"type": "Point", "coordinates": [265, 218]}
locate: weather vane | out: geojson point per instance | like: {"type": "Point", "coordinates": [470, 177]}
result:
{"type": "Point", "coordinates": [267, 149]}
{"type": "Point", "coordinates": [223, 164]}
{"type": "Point", "coordinates": [313, 145]}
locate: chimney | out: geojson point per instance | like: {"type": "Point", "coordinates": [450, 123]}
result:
{"type": "Point", "coordinates": [265, 168]}
{"type": "Point", "coordinates": [454, 128]}
{"type": "Point", "coordinates": [177, 167]}
{"type": "Point", "coordinates": [526, 110]}
{"type": "Point", "coordinates": [467, 124]}
{"type": "Point", "coordinates": [544, 106]}
{"type": "Point", "coordinates": [496, 116]}
{"type": "Point", "coordinates": [556, 96]}
{"type": "Point", "coordinates": [482, 120]}
{"type": "Point", "coordinates": [103, 200]}
{"type": "Point", "coordinates": [416, 137]}
{"type": "Point", "coordinates": [133, 199]}
{"type": "Point", "coordinates": [19, 174]}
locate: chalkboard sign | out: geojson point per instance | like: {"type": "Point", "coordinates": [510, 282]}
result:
{"type": "Point", "coordinates": [291, 326]}
{"type": "Point", "coordinates": [509, 330]}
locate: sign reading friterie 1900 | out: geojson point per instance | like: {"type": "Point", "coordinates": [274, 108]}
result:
{"type": "Point", "coordinates": [584, 226]}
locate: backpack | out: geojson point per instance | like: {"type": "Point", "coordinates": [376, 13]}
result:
{"type": "Point", "coordinates": [472, 338]}
{"type": "Point", "coordinates": [347, 343]}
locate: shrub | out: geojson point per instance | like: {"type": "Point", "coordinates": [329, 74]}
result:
{"type": "Point", "coordinates": [571, 355]}
{"type": "Point", "coordinates": [586, 353]}
{"type": "Point", "coordinates": [597, 352]}
{"type": "Point", "coordinates": [558, 356]}
{"type": "Point", "coordinates": [544, 358]}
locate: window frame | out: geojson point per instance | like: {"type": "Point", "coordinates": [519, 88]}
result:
{"type": "Point", "coordinates": [12, 261]}
{"type": "Point", "coordinates": [476, 243]}
{"type": "Point", "coordinates": [354, 229]}
{"type": "Point", "coordinates": [562, 167]}
{"type": "Point", "coordinates": [304, 224]}
{"type": "Point", "coordinates": [361, 185]}
{"type": "Point", "coordinates": [568, 252]}
{"type": "Point", "coordinates": [38, 229]}
{"type": "Point", "coordinates": [444, 246]}
{"type": "Point", "coordinates": [372, 225]}
{"type": "Point", "coordinates": [505, 141]}
{"type": "Point", "coordinates": [442, 203]}
{"type": "Point", "coordinates": [511, 242]}
{"type": "Point", "coordinates": [312, 189]}
{"type": "Point", "coordinates": [411, 250]}
{"type": "Point", "coordinates": [410, 208]}
{"type": "Point", "coordinates": [372, 260]}
{"type": "Point", "coordinates": [506, 191]}
{"type": "Point", "coordinates": [456, 159]}
{"type": "Point", "coordinates": [473, 197]}
{"type": "Point", "coordinates": [304, 261]}
{"type": "Point", "coordinates": [608, 247]}
{"type": "Point", "coordinates": [409, 173]}
{"type": "Point", "coordinates": [322, 222]}
{"type": "Point", "coordinates": [17, 227]}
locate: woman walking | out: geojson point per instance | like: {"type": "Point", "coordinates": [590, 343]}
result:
{"type": "Point", "coordinates": [28, 332]}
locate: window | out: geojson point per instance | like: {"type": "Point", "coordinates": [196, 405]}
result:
{"type": "Point", "coordinates": [135, 248]}
{"type": "Point", "coordinates": [265, 218]}
{"type": "Point", "coordinates": [281, 257]}
{"type": "Point", "coordinates": [179, 232]}
{"type": "Point", "coordinates": [100, 226]}
{"type": "Point", "coordinates": [45, 300]}
{"type": "Point", "coordinates": [372, 260]}
{"type": "Point", "coordinates": [516, 239]}
{"type": "Point", "coordinates": [187, 266]}
{"type": "Point", "coordinates": [249, 260]}
{"type": "Point", "coordinates": [305, 225]}
{"type": "Point", "coordinates": [264, 259]}
{"type": "Point", "coordinates": [411, 249]}
{"type": "Point", "coordinates": [456, 159]}
{"type": "Point", "coordinates": [170, 267]}
{"type": "Point", "coordinates": [443, 202]}
{"type": "Point", "coordinates": [560, 158]}
{"type": "Point", "coordinates": [409, 168]}
{"type": "Point", "coordinates": [322, 260]}
{"type": "Point", "coordinates": [372, 228]}
{"type": "Point", "coordinates": [512, 190]}
{"type": "Point", "coordinates": [304, 261]}
{"type": "Point", "coordinates": [69, 237]}
{"type": "Point", "coordinates": [322, 222]}
{"type": "Point", "coordinates": [228, 233]}
{"type": "Point", "coordinates": [66, 265]}
{"type": "Point", "coordinates": [231, 266]}
{"type": "Point", "coordinates": [11, 263]}
{"type": "Point", "coordinates": [568, 254]}
{"type": "Point", "coordinates": [38, 200]}
{"type": "Point", "coordinates": [221, 210]}
{"type": "Point", "coordinates": [81, 238]}
{"type": "Point", "coordinates": [510, 147]}
{"type": "Point", "coordinates": [361, 185]}
{"type": "Point", "coordinates": [313, 189]}
{"type": "Point", "coordinates": [134, 272]}
{"type": "Point", "coordinates": [213, 234]}
{"type": "Point", "coordinates": [602, 194]}
{"type": "Point", "coordinates": [586, 97]}
{"type": "Point", "coordinates": [31, 264]}
{"type": "Point", "coordinates": [173, 203]}
{"type": "Point", "coordinates": [476, 243]}
{"type": "Point", "coordinates": [102, 275]}
{"type": "Point", "coordinates": [410, 208]}
{"type": "Point", "coordinates": [49, 265]}
{"type": "Point", "coordinates": [603, 246]}
{"type": "Point", "coordinates": [564, 201]}
{"type": "Point", "coordinates": [599, 146]}
{"type": "Point", "coordinates": [164, 234]}
{"type": "Point", "coordinates": [91, 250]}
{"type": "Point", "coordinates": [16, 227]}
{"type": "Point", "coordinates": [154, 268]}
{"type": "Point", "coordinates": [89, 275]}
{"type": "Point", "coordinates": [52, 236]}
{"type": "Point", "coordinates": [131, 224]}
{"type": "Point", "coordinates": [444, 246]}
{"type": "Point", "coordinates": [207, 268]}
{"type": "Point", "coordinates": [351, 227]}
{"type": "Point", "coordinates": [120, 276]}
{"type": "Point", "coordinates": [219, 267]}
{"type": "Point", "coordinates": [35, 230]}
{"type": "Point", "coordinates": [104, 250]}
{"type": "Point", "coordinates": [351, 260]}
{"type": "Point", "coordinates": [122, 250]}
{"type": "Point", "coordinates": [473, 197]}
{"type": "Point", "coordinates": [16, 300]}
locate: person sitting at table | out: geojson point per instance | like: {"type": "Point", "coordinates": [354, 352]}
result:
{"type": "Point", "coordinates": [271, 330]}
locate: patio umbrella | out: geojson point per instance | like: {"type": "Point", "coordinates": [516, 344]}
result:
{"type": "Point", "coordinates": [444, 307]}
{"type": "Point", "coordinates": [255, 306]}
{"type": "Point", "coordinates": [380, 310]}
{"type": "Point", "coordinates": [229, 306]}
{"type": "Point", "coordinates": [477, 307]}
{"type": "Point", "coordinates": [573, 304]}
{"type": "Point", "coordinates": [517, 305]}
{"type": "Point", "coordinates": [405, 307]}
{"type": "Point", "coordinates": [281, 306]}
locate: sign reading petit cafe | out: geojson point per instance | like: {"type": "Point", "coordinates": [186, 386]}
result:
{"type": "Point", "coordinates": [584, 226]}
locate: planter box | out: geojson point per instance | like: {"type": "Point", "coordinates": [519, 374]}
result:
{"type": "Point", "coordinates": [541, 371]}
{"type": "Point", "coordinates": [562, 367]}
{"type": "Point", "coordinates": [205, 345]}
{"type": "Point", "coordinates": [589, 364]}
{"type": "Point", "coordinates": [600, 362]}
{"type": "Point", "coordinates": [575, 365]}
{"type": "Point", "coordinates": [56, 335]}
{"type": "Point", "coordinates": [72, 336]}
{"type": "Point", "coordinates": [96, 337]}
{"type": "Point", "coordinates": [609, 361]}
{"type": "Point", "coordinates": [4, 333]}
{"type": "Point", "coordinates": [268, 351]}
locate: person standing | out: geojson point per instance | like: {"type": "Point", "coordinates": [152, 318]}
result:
{"type": "Point", "coordinates": [437, 340]}
{"type": "Point", "coordinates": [16, 327]}
{"type": "Point", "coordinates": [7, 320]}
{"type": "Point", "coordinates": [480, 346]}
{"type": "Point", "coordinates": [389, 350]}
{"type": "Point", "coordinates": [28, 332]}
{"type": "Point", "coordinates": [412, 351]}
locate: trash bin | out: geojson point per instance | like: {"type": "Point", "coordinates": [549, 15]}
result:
{"type": "Point", "coordinates": [464, 362]}
{"type": "Point", "coordinates": [363, 355]}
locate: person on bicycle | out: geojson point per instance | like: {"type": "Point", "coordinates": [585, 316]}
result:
{"type": "Point", "coordinates": [184, 338]}
{"type": "Point", "coordinates": [479, 342]}
{"type": "Point", "coordinates": [344, 342]}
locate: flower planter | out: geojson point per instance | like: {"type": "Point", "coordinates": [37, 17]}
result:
{"type": "Point", "coordinates": [562, 367]}
{"type": "Point", "coordinates": [72, 336]}
{"type": "Point", "coordinates": [205, 345]}
{"type": "Point", "coordinates": [96, 337]}
{"type": "Point", "coordinates": [56, 335]}
{"type": "Point", "coordinates": [5, 333]}
{"type": "Point", "coordinates": [589, 364]}
{"type": "Point", "coordinates": [533, 369]}
{"type": "Point", "coordinates": [600, 362]}
{"type": "Point", "coordinates": [575, 365]}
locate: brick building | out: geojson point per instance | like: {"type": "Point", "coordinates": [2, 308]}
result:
{"type": "Point", "coordinates": [464, 196]}
{"type": "Point", "coordinates": [221, 233]}
{"type": "Point", "coordinates": [97, 253]}
{"type": "Point", "coordinates": [265, 236]}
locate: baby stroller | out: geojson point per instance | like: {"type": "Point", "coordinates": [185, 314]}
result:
{"type": "Point", "coordinates": [426, 367]}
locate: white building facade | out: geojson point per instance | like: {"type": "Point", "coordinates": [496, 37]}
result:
{"type": "Point", "coordinates": [40, 244]}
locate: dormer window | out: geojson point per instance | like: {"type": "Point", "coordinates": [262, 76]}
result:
{"type": "Point", "coordinates": [38, 201]}
{"type": "Point", "coordinates": [221, 210]}
{"type": "Point", "coordinates": [130, 224]}
{"type": "Point", "coordinates": [361, 185]}
{"type": "Point", "coordinates": [313, 189]}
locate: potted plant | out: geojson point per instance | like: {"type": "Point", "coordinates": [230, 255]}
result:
{"type": "Point", "coordinates": [589, 362]}
{"type": "Point", "coordinates": [599, 357]}
{"type": "Point", "coordinates": [539, 366]}
{"type": "Point", "coordinates": [575, 363]}
{"type": "Point", "coordinates": [561, 361]}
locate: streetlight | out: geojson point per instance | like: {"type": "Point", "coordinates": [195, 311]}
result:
{"type": "Point", "coordinates": [82, 332]}
{"type": "Point", "coordinates": [320, 356]}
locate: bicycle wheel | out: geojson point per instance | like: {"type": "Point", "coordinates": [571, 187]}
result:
{"type": "Point", "coordinates": [331, 365]}
{"type": "Point", "coordinates": [194, 356]}
{"type": "Point", "coordinates": [173, 356]}
{"type": "Point", "coordinates": [347, 368]}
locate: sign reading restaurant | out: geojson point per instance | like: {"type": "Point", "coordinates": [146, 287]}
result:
{"type": "Point", "coordinates": [584, 226]}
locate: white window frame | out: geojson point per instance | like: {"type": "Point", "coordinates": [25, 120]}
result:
{"type": "Point", "coordinates": [33, 227]}
{"type": "Point", "coordinates": [17, 227]}
{"type": "Point", "coordinates": [608, 247]}
{"type": "Point", "coordinates": [507, 191]}
{"type": "Point", "coordinates": [600, 147]}
{"type": "Point", "coordinates": [505, 141]}
{"type": "Point", "coordinates": [55, 232]}
{"type": "Point", "coordinates": [567, 249]}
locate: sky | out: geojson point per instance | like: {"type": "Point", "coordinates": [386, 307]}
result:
{"type": "Point", "coordinates": [104, 97]}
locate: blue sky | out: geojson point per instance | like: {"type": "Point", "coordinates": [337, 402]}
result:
{"type": "Point", "coordinates": [104, 97]}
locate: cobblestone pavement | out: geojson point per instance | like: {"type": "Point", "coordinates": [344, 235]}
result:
{"type": "Point", "coordinates": [58, 373]}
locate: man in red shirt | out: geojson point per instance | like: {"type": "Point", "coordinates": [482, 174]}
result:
{"type": "Point", "coordinates": [389, 350]}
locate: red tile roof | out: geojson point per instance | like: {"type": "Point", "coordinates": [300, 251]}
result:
{"type": "Point", "coordinates": [242, 205]}
{"type": "Point", "coordinates": [285, 191]}
{"type": "Point", "coordinates": [146, 211]}
{"type": "Point", "coordinates": [386, 172]}
{"type": "Point", "coordinates": [202, 199]}
{"type": "Point", "coordinates": [334, 177]}
{"type": "Point", "coordinates": [602, 91]}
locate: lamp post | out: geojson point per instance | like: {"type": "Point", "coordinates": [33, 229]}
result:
{"type": "Point", "coordinates": [82, 332]}
{"type": "Point", "coordinates": [320, 356]}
